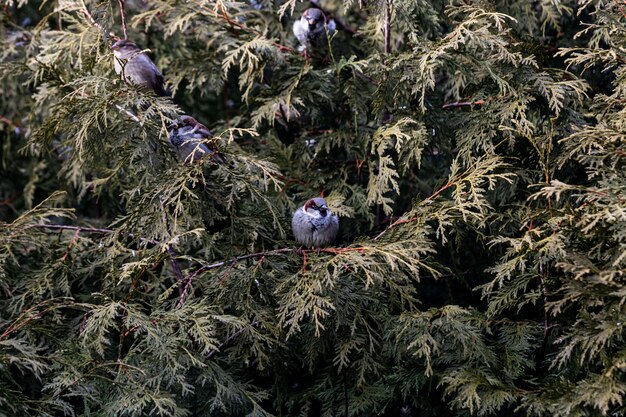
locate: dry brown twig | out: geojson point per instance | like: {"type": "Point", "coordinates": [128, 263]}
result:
{"type": "Point", "coordinates": [93, 21]}
{"type": "Point", "coordinates": [425, 201]}
{"type": "Point", "coordinates": [387, 26]}
{"type": "Point", "coordinates": [230, 339]}
{"type": "Point", "coordinates": [123, 13]}
{"type": "Point", "coordinates": [223, 15]}
{"type": "Point", "coordinates": [274, 252]}
{"type": "Point", "coordinates": [80, 229]}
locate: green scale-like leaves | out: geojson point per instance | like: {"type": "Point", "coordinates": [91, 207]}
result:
{"type": "Point", "coordinates": [474, 152]}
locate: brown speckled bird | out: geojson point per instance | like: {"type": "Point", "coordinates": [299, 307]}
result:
{"type": "Point", "coordinates": [189, 137]}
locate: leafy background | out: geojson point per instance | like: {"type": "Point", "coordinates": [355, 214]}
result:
{"type": "Point", "coordinates": [474, 151]}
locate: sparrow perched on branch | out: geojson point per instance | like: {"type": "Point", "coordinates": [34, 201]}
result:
{"type": "Point", "coordinates": [314, 224]}
{"type": "Point", "coordinates": [136, 67]}
{"type": "Point", "coordinates": [310, 29]}
{"type": "Point", "coordinates": [189, 137]}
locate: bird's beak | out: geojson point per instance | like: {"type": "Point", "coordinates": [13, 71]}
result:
{"type": "Point", "coordinates": [312, 22]}
{"type": "Point", "coordinates": [115, 48]}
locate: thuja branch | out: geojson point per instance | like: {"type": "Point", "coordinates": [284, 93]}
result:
{"type": "Point", "coordinates": [433, 196]}
{"type": "Point", "coordinates": [33, 313]}
{"type": "Point", "coordinates": [93, 21]}
{"type": "Point", "coordinates": [172, 254]}
{"type": "Point", "coordinates": [175, 266]}
{"type": "Point", "coordinates": [221, 13]}
{"type": "Point", "coordinates": [462, 104]}
{"type": "Point", "coordinates": [230, 339]}
{"type": "Point", "coordinates": [274, 252]}
{"type": "Point", "coordinates": [232, 261]}
{"type": "Point", "coordinates": [457, 104]}
{"type": "Point", "coordinates": [79, 229]}
{"type": "Point", "coordinates": [23, 320]}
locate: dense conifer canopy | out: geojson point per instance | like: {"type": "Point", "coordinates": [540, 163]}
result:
{"type": "Point", "coordinates": [474, 152]}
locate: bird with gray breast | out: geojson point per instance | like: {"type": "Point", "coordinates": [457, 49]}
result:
{"type": "Point", "coordinates": [314, 225]}
{"type": "Point", "coordinates": [310, 29]}
{"type": "Point", "coordinates": [189, 137]}
{"type": "Point", "coordinates": [136, 67]}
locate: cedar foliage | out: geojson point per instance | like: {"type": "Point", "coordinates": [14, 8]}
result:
{"type": "Point", "coordinates": [475, 157]}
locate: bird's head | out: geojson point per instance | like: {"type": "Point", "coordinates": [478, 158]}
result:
{"type": "Point", "coordinates": [316, 207]}
{"type": "Point", "coordinates": [186, 120]}
{"type": "Point", "coordinates": [314, 17]}
{"type": "Point", "coordinates": [183, 121]}
{"type": "Point", "coordinates": [124, 48]}
{"type": "Point", "coordinates": [188, 125]}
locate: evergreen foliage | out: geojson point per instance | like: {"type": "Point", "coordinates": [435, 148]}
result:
{"type": "Point", "coordinates": [474, 151]}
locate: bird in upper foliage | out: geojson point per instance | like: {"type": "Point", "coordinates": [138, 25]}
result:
{"type": "Point", "coordinates": [136, 67]}
{"type": "Point", "coordinates": [310, 29]}
{"type": "Point", "coordinates": [189, 137]}
{"type": "Point", "coordinates": [314, 224]}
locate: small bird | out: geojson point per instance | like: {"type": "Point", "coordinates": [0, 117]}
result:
{"type": "Point", "coordinates": [314, 224]}
{"type": "Point", "coordinates": [136, 67]}
{"type": "Point", "coordinates": [310, 29]}
{"type": "Point", "coordinates": [188, 136]}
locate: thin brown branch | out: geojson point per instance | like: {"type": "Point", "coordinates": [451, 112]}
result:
{"type": "Point", "coordinates": [172, 255]}
{"type": "Point", "coordinates": [128, 113]}
{"type": "Point", "coordinates": [8, 202]}
{"type": "Point", "coordinates": [223, 15]}
{"type": "Point", "coordinates": [547, 327]}
{"type": "Point", "coordinates": [366, 77]}
{"type": "Point", "coordinates": [468, 103]}
{"type": "Point", "coordinates": [428, 199]}
{"type": "Point", "coordinates": [233, 261]}
{"type": "Point", "coordinates": [79, 229]}
{"type": "Point", "coordinates": [175, 266]}
{"type": "Point", "coordinates": [15, 326]}
{"type": "Point", "coordinates": [123, 13]}
{"type": "Point", "coordinates": [7, 121]}
{"type": "Point", "coordinates": [542, 286]}
{"type": "Point", "coordinates": [346, 395]}
{"type": "Point", "coordinates": [230, 339]}
{"type": "Point", "coordinates": [288, 180]}
{"type": "Point", "coordinates": [602, 194]}
{"type": "Point", "coordinates": [87, 13]}
{"type": "Point", "coordinates": [120, 345]}
{"type": "Point", "coordinates": [462, 104]}
{"type": "Point", "coordinates": [71, 245]}
{"type": "Point", "coordinates": [387, 26]}
{"type": "Point", "coordinates": [93, 21]}
{"type": "Point", "coordinates": [28, 316]}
